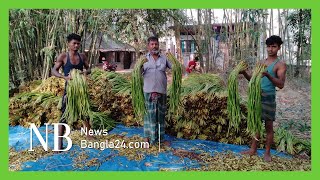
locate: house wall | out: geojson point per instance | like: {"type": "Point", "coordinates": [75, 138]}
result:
{"type": "Point", "coordinates": [219, 53]}
{"type": "Point", "coordinates": [123, 59]}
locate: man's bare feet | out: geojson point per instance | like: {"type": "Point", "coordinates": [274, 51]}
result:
{"type": "Point", "coordinates": [267, 157]}
{"type": "Point", "coordinates": [250, 152]}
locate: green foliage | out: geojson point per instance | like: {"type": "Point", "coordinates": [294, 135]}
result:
{"type": "Point", "coordinates": [303, 127]}
{"type": "Point", "coordinates": [252, 15]}
{"type": "Point", "coordinates": [299, 23]}
{"type": "Point", "coordinates": [134, 26]}
{"type": "Point", "coordinates": [288, 125]}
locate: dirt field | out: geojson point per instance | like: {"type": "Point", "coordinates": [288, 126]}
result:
{"type": "Point", "coordinates": [293, 106]}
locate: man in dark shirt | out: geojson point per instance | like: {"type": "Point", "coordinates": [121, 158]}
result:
{"type": "Point", "coordinates": [70, 60]}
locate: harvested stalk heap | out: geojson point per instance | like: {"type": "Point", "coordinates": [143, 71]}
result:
{"type": "Point", "coordinates": [51, 85]}
{"type": "Point", "coordinates": [111, 92]}
{"type": "Point", "coordinates": [203, 111]}
{"type": "Point", "coordinates": [100, 91]}
{"type": "Point", "coordinates": [77, 106]}
{"type": "Point", "coordinates": [26, 87]}
{"type": "Point", "coordinates": [234, 112]}
{"type": "Point", "coordinates": [174, 94]}
{"type": "Point", "coordinates": [38, 102]}
{"type": "Point", "coordinates": [34, 107]}
{"type": "Point", "coordinates": [204, 116]}
{"type": "Point", "coordinates": [254, 123]}
{"type": "Point", "coordinates": [137, 89]}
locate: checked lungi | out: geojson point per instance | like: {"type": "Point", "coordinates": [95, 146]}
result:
{"type": "Point", "coordinates": [268, 102]}
{"type": "Point", "coordinates": [156, 106]}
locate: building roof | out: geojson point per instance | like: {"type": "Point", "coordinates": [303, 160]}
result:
{"type": "Point", "coordinates": [107, 44]}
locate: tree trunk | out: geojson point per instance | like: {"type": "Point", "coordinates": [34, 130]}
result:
{"type": "Point", "coordinates": [299, 47]}
{"type": "Point", "coordinates": [289, 48]}
{"type": "Point", "coordinates": [200, 36]}
{"type": "Point", "coordinates": [178, 41]}
{"type": "Point", "coordinates": [271, 31]}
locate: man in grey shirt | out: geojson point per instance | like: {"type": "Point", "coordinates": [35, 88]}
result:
{"type": "Point", "coordinates": [155, 92]}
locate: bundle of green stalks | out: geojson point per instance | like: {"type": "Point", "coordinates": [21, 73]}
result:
{"type": "Point", "coordinates": [120, 84]}
{"type": "Point", "coordinates": [254, 123]}
{"type": "Point", "coordinates": [285, 141]}
{"type": "Point", "coordinates": [137, 89]}
{"type": "Point", "coordinates": [77, 106]}
{"type": "Point", "coordinates": [206, 83]}
{"type": "Point", "coordinates": [96, 73]}
{"type": "Point", "coordinates": [233, 107]}
{"type": "Point", "coordinates": [175, 91]}
{"type": "Point", "coordinates": [101, 120]}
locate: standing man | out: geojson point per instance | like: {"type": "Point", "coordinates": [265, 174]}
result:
{"type": "Point", "coordinates": [274, 76]}
{"type": "Point", "coordinates": [68, 61]}
{"type": "Point", "coordinates": [155, 92]}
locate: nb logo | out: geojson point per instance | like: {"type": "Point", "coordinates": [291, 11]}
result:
{"type": "Point", "coordinates": [44, 143]}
